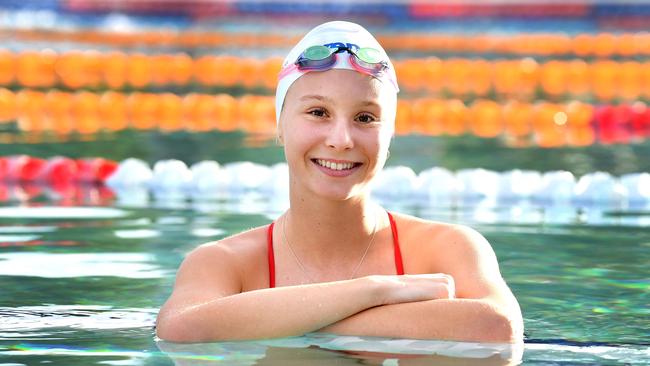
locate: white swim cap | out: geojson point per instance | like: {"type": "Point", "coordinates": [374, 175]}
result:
{"type": "Point", "coordinates": [345, 34]}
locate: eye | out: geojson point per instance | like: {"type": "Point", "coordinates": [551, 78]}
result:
{"type": "Point", "coordinates": [366, 118]}
{"type": "Point", "coordinates": [317, 112]}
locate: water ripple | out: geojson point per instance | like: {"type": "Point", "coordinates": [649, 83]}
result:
{"type": "Point", "coordinates": [21, 322]}
{"type": "Point", "coordinates": [49, 265]}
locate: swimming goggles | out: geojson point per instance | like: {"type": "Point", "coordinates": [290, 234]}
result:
{"type": "Point", "coordinates": [320, 58]}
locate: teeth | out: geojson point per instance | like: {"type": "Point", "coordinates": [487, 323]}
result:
{"type": "Point", "coordinates": [334, 166]}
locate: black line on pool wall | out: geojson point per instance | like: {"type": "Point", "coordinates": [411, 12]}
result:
{"type": "Point", "coordinates": [566, 342]}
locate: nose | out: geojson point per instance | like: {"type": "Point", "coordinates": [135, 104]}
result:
{"type": "Point", "coordinates": [339, 135]}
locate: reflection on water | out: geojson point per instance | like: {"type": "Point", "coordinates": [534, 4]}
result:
{"type": "Point", "coordinates": [61, 213]}
{"type": "Point", "coordinates": [130, 265]}
{"type": "Point", "coordinates": [22, 322]}
{"type": "Point", "coordinates": [324, 349]}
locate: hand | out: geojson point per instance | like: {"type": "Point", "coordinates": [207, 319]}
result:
{"type": "Point", "coordinates": [411, 288]}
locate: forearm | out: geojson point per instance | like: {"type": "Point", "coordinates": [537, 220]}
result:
{"type": "Point", "coordinates": [277, 312]}
{"type": "Point", "coordinates": [468, 320]}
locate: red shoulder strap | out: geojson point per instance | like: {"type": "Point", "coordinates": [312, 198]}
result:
{"type": "Point", "coordinates": [271, 257]}
{"type": "Point", "coordinates": [399, 265]}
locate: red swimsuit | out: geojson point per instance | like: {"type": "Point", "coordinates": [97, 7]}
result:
{"type": "Point", "coordinates": [399, 266]}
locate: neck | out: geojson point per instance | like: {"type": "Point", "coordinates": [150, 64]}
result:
{"type": "Point", "coordinates": [328, 226]}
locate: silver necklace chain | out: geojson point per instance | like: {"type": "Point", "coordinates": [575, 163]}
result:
{"type": "Point", "coordinates": [302, 267]}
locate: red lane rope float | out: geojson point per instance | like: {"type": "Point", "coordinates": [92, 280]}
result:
{"type": "Point", "coordinates": [55, 170]}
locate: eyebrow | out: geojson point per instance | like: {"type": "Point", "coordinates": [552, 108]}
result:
{"type": "Point", "coordinates": [317, 97]}
{"type": "Point", "coordinates": [366, 103]}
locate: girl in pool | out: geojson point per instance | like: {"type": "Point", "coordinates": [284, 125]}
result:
{"type": "Point", "coordinates": [335, 261]}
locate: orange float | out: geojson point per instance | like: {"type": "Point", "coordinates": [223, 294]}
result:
{"type": "Point", "coordinates": [7, 67]}
{"type": "Point", "coordinates": [583, 45]}
{"type": "Point", "coordinates": [549, 123]}
{"type": "Point", "coordinates": [113, 111]}
{"type": "Point", "coordinates": [269, 70]}
{"type": "Point", "coordinates": [579, 130]}
{"type": "Point", "coordinates": [577, 78]}
{"type": "Point", "coordinates": [403, 118]}
{"type": "Point", "coordinates": [144, 110]}
{"type": "Point", "coordinates": [57, 110]}
{"type": "Point", "coordinates": [85, 112]}
{"type": "Point", "coordinates": [30, 105]}
{"type": "Point", "coordinates": [171, 112]}
{"type": "Point", "coordinates": [458, 76]}
{"type": "Point", "coordinates": [139, 69]}
{"type": "Point", "coordinates": [226, 112]}
{"type": "Point", "coordinates": [604, 45]}
{"type": "Point", "coordinates": [433, 75]}
{"type": "Point", "coordinates": [455, 117]}
{"type": "Point", "coordinates": [517, 117]}
{"type": "Point", "coordinates": [8, 108]}
{"type": "Point", "coordinates": [553, 78]}
{"type": "Point", "coordinates": [423, 118]}
{"type": "Point", "coordinates": [486, 118]}
{"type": "Point", "coordinates": [36, 69]}
{"type": "Point", "coordinates": [114, 69]}
{"type": "Point", "coordinates": [629, 83]}
{"type": "Point", "coordinates": [604, 76]}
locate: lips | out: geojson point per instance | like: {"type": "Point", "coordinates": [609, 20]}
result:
{"type": "Point", "coordinates": [336, 167]}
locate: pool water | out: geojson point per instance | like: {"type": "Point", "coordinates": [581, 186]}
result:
{"type": "Point", "coordinates": [82, 286]}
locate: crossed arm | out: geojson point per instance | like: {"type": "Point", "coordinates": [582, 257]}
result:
{"type": "Point", "coordinates": [410, 306]}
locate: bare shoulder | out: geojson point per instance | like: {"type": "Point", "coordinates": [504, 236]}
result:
{"type": "Point", "coordinates": [444, 243]}
{"type": "Point", "coordinates": [228, 258]}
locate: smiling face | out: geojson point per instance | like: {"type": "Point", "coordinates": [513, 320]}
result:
{"type": "Point", "coordinates": [336, 127]}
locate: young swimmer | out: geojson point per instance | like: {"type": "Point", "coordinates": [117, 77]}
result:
{"type": "Point", "coordinates": [334, 261]}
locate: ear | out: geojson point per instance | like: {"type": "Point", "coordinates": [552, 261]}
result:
{"type": "Point", "coordinates": [279, 138]}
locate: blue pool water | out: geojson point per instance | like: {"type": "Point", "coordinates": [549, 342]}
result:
{"type": "Point", "coordinates": [82, 285]}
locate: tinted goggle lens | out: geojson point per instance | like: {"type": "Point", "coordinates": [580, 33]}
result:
{"type": "Point", "coordinates": [322, 57]}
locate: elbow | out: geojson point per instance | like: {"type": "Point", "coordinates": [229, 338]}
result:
{"type": "Point", "coordinates": [169, 330]}
{"type": "Point", "coordinates": [177, 329]}
{"type": "Point", "coordinates": [503, 328]}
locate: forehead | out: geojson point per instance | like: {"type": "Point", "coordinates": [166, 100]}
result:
{"type": "Point", "coordinates": [338, 84]}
